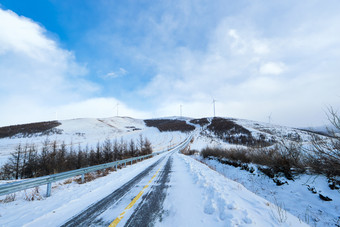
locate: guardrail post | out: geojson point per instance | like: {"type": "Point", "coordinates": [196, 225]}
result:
{"type": "Point", "coordinates": [82, 178]}
{"type": "Point", "coordinates": [49, 187]}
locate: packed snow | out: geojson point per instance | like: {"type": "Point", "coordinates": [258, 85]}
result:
{"type": "Point", "coordinates": [200, 196]}
{"type": "Point", "coordinates": [294, 196]}
{"type": "Point", "coordinates": [221, 195]}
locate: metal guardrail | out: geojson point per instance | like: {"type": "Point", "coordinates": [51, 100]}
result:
{"type": "Point", "coordinates": [35, 182]}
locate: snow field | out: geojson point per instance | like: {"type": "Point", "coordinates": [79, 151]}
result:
{"type": "Point", "coordinates": [66, 200]}
{"type": "Point", "coordinates": [293, 197]}
{"type": "Point", "coordinates": [90, 131]}
{"type": "Point", "coordinates": [200, 196]}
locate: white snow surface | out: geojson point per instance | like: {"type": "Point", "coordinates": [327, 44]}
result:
{"type": "Point", "coordinates": [66, 200]}
{"type": "Point", "coordinates": [293, 196]}
{"type": "Point", "coordinates": [90, 131]}
{"type": "Point", "coordinates": [198, 196]}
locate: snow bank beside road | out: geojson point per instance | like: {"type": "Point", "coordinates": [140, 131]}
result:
{"type": "Point", "coordinates": [201, 196]}
{"type": "Point", "coordinates": [294, 195]}
{"type": "Point", "coordinates": [66, 200]}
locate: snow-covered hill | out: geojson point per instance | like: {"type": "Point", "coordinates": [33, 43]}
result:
{"type": "Point", "coordinates": [90, 131]}
{"type": "Point", "coordinates": [213, 132]}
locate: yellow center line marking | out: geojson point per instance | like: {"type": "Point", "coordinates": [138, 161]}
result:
{"type": "Point", "coordinates": [121, 216]}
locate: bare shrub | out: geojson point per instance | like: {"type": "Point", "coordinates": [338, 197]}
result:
{"type": "Point", "coordinates": [325, 156]}
{"type": "Point", "coordinates": [9, 198]}
{"type": "Point", "coordinates": [68, 181]}
{"type": "Point", "coordinates": [29, 129]}
{"type": "Point", "coordinates": [282, 158]}
{"type": "Point", "coordinates": [188, 151]}
{"type": "Point", "coordinates": [170, 125]}
{"type": "Point", "coordinates": [231, 132]}
{"type": "Point", "coordinates": [33, 195]}
{"type": "Point", "coordinates": [279, 212]}
{"type": "Point", "coordinates": [90, 177]}
{"type": "Point", "coordinates": [202, 121]}
{"type": "Point", "coordinates": [212, 152]}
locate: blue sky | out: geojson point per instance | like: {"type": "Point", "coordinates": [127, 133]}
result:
{"type": "Point", "coordinates": [79, 58]}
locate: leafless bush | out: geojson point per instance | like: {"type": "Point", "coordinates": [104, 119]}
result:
{"type": "Point", "coordinates": [189, 151]}
{"type": "Point", "coordinates": [68, 181]}
{"type": "Point", "coordinates": [231, 132]}
{"type": "Point", "coordinates": [169, 125]}
{"type": "Point", "coordinates": [9, 198]}
{"type": "Point", "coordinates": [212, 152]}
{"type": "Point", "coordinates": [33, 195]}
{"type": "Point", "coordinates": [28, 129]}
{"type": "Point", "coordinates": [202, 121]}
{"type": "Point", "coordinates": [281, 158]}
{"type": "Point", "coordinates": [279, 212]}
{"type": "Point", "coordinates": [325, 156]}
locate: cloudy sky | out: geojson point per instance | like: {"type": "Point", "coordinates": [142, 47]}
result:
{"type": "Point", "coordinates": [80, 58]}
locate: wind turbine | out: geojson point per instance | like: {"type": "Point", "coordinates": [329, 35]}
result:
{"type": "Point", "coordinates": [270, 117]}
{"type": "Point", "coordinates": [214, 101]}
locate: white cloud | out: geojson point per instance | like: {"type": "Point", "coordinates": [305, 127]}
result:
{"type": "Point", "coordinates": [39, 78]}
{"type": "Point", "coordinates": [112, 75]}
{"type": "Point", "coordinates": [237, 65]}
{"type": "Point", "coordinates": [272, 68]}
{"type": "Point", "coordinates": [230, 55]}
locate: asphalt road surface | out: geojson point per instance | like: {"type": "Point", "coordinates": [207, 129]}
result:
{"type": "Point", "coordinates": [139, 202]}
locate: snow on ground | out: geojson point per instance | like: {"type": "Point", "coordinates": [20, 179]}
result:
{"type": "Point", "coordinates": [294, 196]}
{"type": "Point", "coordinates": [271, 130]}
{"type": "Point", "coordinates": [66, 200]}
{"type": "Point", "coordinates": [200, 196]}
{"type": "Point", "coordinates": [201, 142]}
{"type": "Point", "coordinates": [90, 131]}
{"type": "Point", "coordinates": [197, 196]}
{"type": "Point", "coordinates": [209, 197]}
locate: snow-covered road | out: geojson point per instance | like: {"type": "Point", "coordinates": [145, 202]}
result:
{"type": "Point", "coordinates": [167, 190]}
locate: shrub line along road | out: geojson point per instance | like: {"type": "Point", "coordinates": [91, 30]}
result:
{"type": "Point", "coordinates": [136, 203]}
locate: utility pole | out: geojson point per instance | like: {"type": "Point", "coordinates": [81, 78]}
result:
{"type": "Point", "coordinates": [214, 101]}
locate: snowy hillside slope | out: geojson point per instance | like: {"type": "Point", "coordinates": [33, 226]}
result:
{"type": "Point", "coordinates": [256, 132]}
{"type": "Point", "coordinates": [90, 131]}
{"type": "Point", "coordinates": [227, 133]}
{"type": "Point", "coordinates": [301, 195]}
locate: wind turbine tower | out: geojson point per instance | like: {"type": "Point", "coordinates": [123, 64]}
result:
{"type": "Point", "coordinates": [270, 118]}
{"type": "Point", "coordinates": [214, 101]}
